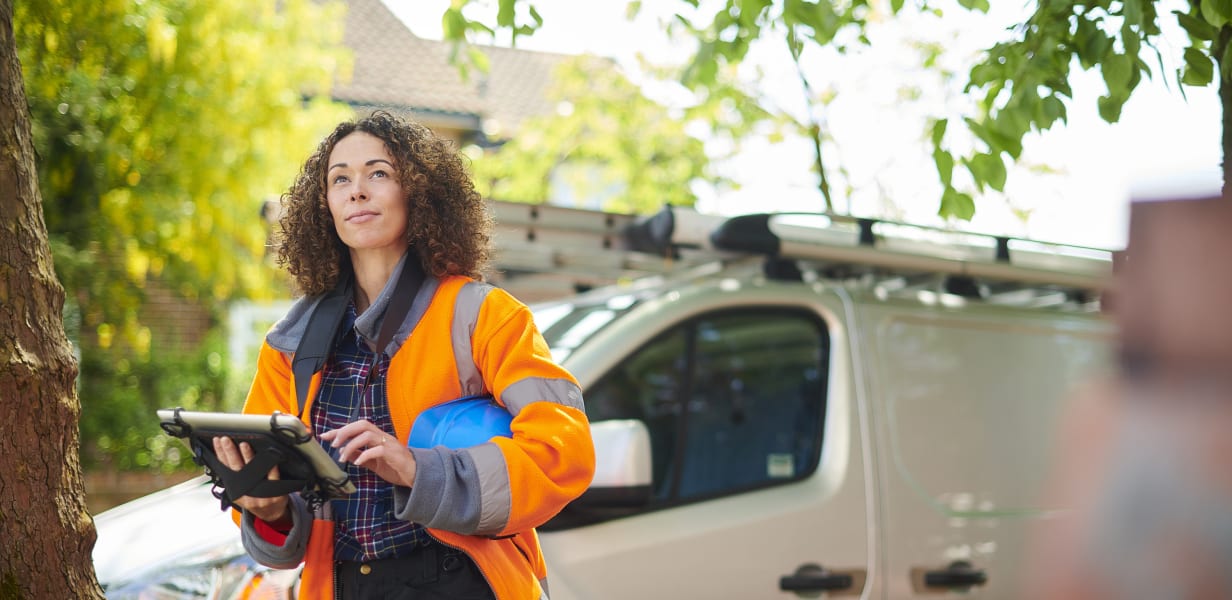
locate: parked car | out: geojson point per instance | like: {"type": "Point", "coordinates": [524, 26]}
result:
{"type": "Point", "coordinates": [843, 411]}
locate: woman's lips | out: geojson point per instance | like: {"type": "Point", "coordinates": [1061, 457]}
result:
{"type": "Point", "coordinates": [362, 217]}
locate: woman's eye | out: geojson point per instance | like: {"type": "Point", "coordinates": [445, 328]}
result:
{"type": "Point", "coordinates": [376, 174]}
{"type": "Point", "coordinates": [340, 179]}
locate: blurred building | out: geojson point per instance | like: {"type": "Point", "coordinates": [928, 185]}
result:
{"type": "Point", "coordinates": [398, 71]}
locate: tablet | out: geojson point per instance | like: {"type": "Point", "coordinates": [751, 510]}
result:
{"type": "Point", "coordinates": [301, 457]}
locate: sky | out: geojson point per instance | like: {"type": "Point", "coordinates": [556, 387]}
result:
{"type": "Point", "coordinates": [1099, 168]}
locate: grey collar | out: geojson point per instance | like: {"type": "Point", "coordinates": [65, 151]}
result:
{"type": "Point", "coordinates": [285, 335]}
{"type": "Point", "coordinates": [368, 324]}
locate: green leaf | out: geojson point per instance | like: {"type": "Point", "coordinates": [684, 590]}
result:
{"type": "Point", "coordinates": [956, 204]}
{"type": "Point", "coordinates": [1197, 29]}
{"type": "Point", "coordinates": [983, 73]}
{"type": "Point", "coordinates": [1131, 40]}
{"type": "Point", "coordinates": [1053, 109]}
{"type": "Point", "coordinates": [505, 14]}
{"type": "Point", "coordinates": [1188, 77]}
{"type": "Point", "coordinates": [1217, 12]}
{"type": "Point", "coordinates": [1199, 68]}
{"type": "Point", "coordinates": [1117, 72]}
{"type": "Point", "coordinates": [1110, 108]}
{"type": "Point", "coordinates": [1087, 42]}
{"type": "Point", "coordinates": [977, 128]}
{"type": "Point", "coordinates": [705, 65]}
{"type": "Point", "coordinates": [896, 5]}
{"type": "Point", "coordinates": [453, 24]}
{"type": "Point", "coordinates": [750, 10]}
{"type": "Point", "coordinates": [1003, 133]}
{"type": "Point", "coordinates": [980, 5]}
{"type": "Point", "coordinates": [988, 169]}
{"type": "Point", "coordinates": [939, 131]}
{"type": "Point", "coordinates": [945, 166]}
{"type": "Point", "coordinates": [1132, 10]}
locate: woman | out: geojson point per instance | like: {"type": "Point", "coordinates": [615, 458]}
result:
{"type": "Point", "coordinates": [379, 196]}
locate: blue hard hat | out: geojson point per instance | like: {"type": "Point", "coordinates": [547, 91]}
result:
{"type": "Point", "coordinates": [462, 423]}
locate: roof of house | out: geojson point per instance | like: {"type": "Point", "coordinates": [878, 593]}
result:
{"type": "Point", "coordinates": [395, 68]}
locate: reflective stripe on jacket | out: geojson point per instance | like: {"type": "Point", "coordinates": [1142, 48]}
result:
{"type": "Point", "coordinates": [486, 500]}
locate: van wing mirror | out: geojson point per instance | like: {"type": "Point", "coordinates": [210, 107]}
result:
{"type": "Point", "coordinates": [622, 481]}
{"type": "Point", "coordinates": [622, 454]}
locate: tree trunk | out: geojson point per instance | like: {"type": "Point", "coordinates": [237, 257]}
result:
{"type": "Point", "coordinates": [46, 533]}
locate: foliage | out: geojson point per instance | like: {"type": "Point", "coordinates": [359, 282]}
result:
{"type": "Point", "coordinates": [160, 127]}
{"type": "Point", "coordinates": [607, 140]}
{"type": "Point", "coordinates": [1021, 84]}
{"type": "Point", "coordinates": [117, 425]}
{"type": "Point", "coordinates": [725, 36]}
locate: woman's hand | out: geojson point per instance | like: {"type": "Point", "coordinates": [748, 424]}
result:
{"type": "Point", "coordinates": [364, 444]}
{"type": "Point", "coordinates": [271, 510]}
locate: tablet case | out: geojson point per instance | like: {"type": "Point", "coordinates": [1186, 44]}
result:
{"type": "Point", "coordinates": [279, 439]}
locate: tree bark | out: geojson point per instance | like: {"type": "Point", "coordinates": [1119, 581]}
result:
{"type": "Point", "coordinates": [46, 533]}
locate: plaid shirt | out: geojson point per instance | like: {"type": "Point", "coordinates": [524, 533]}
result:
{"type": "Point", "coordinates": [365, 526]}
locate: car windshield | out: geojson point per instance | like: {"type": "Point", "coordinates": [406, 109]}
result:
{"type": "Point", "coordinates": [567, 324]}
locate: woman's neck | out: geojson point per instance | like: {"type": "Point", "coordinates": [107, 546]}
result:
{"type": "Point", "coordinates": [372, 272]}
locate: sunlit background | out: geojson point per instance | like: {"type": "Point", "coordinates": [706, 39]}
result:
{"type": "Point", "coordinates": [161, 165]}
{"type": "Point", "coordinates": [1076, 184]}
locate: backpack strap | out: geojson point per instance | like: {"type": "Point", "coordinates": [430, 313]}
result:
{"type": "Point", "coordinates": [318, 341]}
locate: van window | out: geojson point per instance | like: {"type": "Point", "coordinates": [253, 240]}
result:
{"type": "Point", "coordinates": [566, 325]}
{"type": "Point", "coordinates": [733, 401]}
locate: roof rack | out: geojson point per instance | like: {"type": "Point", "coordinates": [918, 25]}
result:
{"type": "Point", "coordinates": [553, 250]}
{"type": "Point", "coordinates": [859, 244]}
{"type": "Point", "coordinates": [545, 251]}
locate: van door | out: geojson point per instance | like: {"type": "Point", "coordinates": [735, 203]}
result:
{"type": "Point", "coordinates": [758, 479]}
{"type": "Point", "coordinates": [967, 405]}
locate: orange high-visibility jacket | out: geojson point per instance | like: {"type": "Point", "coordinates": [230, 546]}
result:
{"type": "Point", "coordinates": [461, 337]}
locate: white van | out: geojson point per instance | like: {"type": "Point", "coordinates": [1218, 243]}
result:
{"type": "Point", "coordinates": [828, 409]}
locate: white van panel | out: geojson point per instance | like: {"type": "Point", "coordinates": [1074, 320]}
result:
{"type": "Point", "coordinates": [967, 407]}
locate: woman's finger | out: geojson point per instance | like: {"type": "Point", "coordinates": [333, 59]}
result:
{"type": "Point", "coordinates": [390, 460]}
{"type": "Point", "coordinates": [352, 439]}
{"type": "Point", "coordinates": [378, 439]}
{"type": "Point", "coordinates": [225, 449]}
{"type": "Point", "coordinates": [363, 443]}
{"type": "Point", "coordinates": [340, 436]}
{"type": "Point", "coordinates": [247, 452]}
{"type": "Point", "coordinates": [235, 458]}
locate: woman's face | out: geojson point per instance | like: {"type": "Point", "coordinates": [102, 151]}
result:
{"type": "Point", "coordinates": [364, 195]}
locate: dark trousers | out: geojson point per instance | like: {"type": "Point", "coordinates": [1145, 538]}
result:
{"type": "Point", "coordinates": [431, 572]}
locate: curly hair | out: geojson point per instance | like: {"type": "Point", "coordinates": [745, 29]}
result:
{"type": "Point", "coordinates": [448, 227]}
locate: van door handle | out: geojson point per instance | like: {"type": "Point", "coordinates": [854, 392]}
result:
{"type": "Point", "coordinates": [959, 574]}
{"type": "Point", "coordinates": [812, 577]}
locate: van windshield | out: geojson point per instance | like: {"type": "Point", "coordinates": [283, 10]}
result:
{"type": "Point", "coordinates": [567, 324]}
